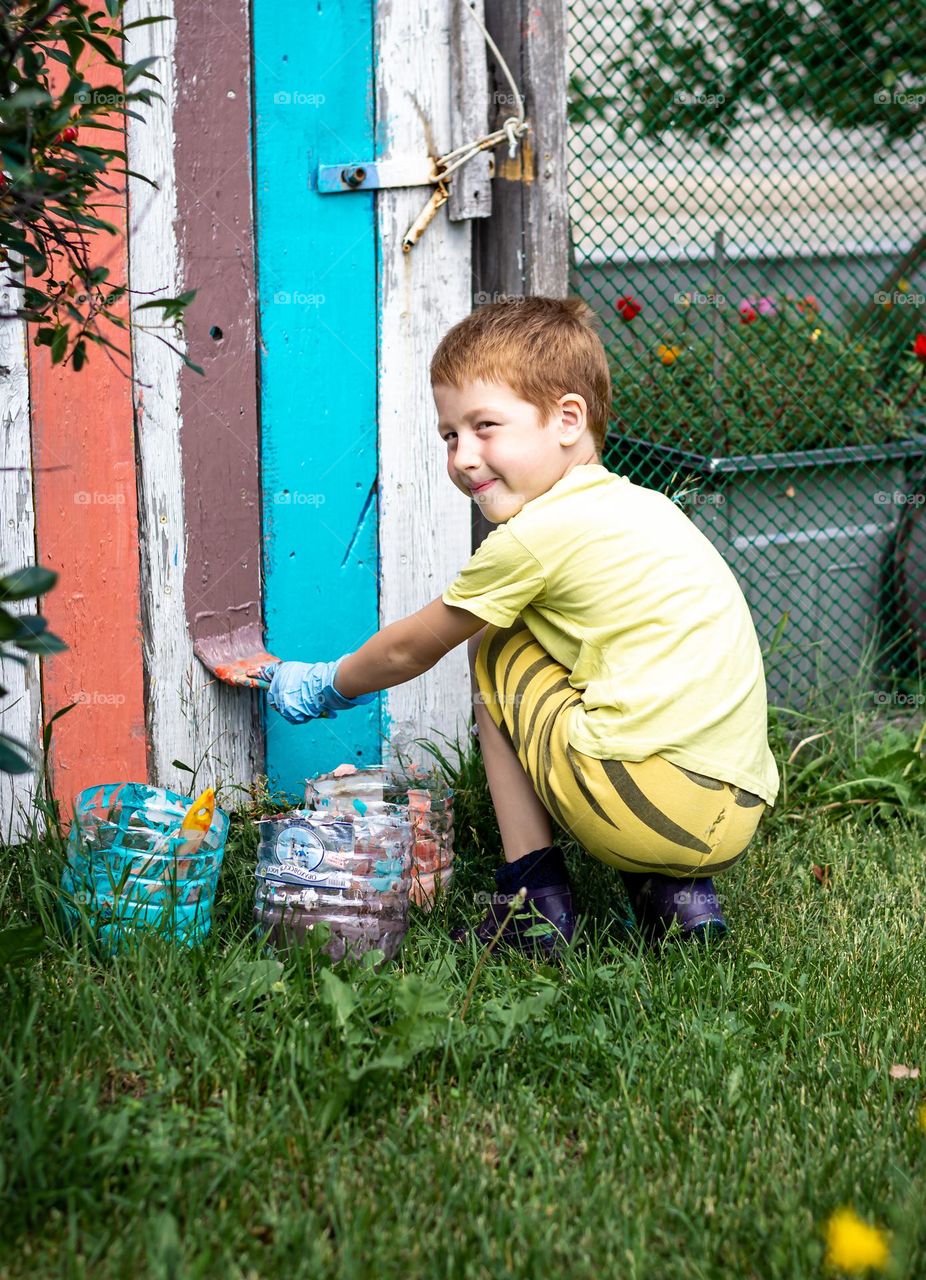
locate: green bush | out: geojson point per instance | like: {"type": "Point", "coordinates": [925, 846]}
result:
{"type": "Point", "coordinates": [787, 380]}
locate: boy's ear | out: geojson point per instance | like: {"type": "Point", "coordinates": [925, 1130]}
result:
{"type": "Point", "coordinates": [573, 417]}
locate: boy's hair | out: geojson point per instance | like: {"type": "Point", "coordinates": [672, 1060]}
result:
{"type": "Point", "coordinates": [542, 348]}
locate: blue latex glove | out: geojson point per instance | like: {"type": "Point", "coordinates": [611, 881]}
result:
{"type": "Point", "coordinates": [302, 691]}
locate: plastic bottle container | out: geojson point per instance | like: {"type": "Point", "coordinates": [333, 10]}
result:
{"type": "Point", "coordinates": [124, 868]}
{"type": "Point", "coordinates": [426, 799]}
{"type": "Point", "coordinates": [431, 813]}
{"type": "Point", "coordinates": [351, 872]}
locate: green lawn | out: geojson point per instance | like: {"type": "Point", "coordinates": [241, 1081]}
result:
{"type": "Point", "coordinates": [700, 1113]}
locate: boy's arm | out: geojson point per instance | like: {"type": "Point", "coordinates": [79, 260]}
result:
{"type": "Point", "coordinates": [406, 648]}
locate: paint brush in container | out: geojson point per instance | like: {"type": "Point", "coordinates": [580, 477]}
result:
{"type": "Point", "coordinates": [238, 657]}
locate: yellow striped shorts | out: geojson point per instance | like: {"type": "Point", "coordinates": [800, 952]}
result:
{"type": "Point", "coordinates": [647, 815]}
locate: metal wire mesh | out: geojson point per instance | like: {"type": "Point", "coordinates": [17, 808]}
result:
{"type": "Point", "coordinates": [748, 208]}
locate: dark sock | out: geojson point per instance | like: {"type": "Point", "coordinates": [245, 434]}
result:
{"type": "Point", "coordinates": [536, 870]}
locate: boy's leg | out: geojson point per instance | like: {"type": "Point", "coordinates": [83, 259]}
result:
{"type": "Point", "coordinates": [523, 821]}
{"type": "Point", "coordinates": [530, 859]}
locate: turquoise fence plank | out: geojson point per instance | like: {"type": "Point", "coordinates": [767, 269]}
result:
{"type": "Point", "coordinates": [316, 258]}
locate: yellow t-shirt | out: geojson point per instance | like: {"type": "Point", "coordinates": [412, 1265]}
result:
{"type": "Point", "coordinates": [638, 605]}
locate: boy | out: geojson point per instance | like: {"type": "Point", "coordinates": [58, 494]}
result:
{"type": "Point", "coordinates": [618, 683]}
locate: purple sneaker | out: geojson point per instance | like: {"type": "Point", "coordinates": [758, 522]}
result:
{"type": "Point", "coordinates": [552, 904]}
{"type": "Point", "coordinates": [657, 900]}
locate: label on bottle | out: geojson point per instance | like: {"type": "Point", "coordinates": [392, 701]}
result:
{"type": "Point", "coordinates": [298, 873]}
{"type": "Point", "coordinates": [300, 857]}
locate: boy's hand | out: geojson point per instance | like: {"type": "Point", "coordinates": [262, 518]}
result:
{"type": "Point", "coordinates": [302, 691]}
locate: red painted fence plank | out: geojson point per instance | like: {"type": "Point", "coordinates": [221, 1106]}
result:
{"type": "Point", "coordinates": [87, 530]}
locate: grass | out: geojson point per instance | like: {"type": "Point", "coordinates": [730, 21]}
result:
{"type": "Point", "coordinates": [222, 1112]}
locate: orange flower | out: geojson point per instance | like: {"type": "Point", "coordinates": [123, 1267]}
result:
{"type": "Point", "coordinates": [668, 355]}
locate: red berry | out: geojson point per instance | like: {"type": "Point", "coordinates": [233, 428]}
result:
{"type": "Point", "coordinates": [67, 135]}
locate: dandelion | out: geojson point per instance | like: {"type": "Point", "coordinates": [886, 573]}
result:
{"type": "Point", "coordinates": [904, 286]}
{"type": "Point", "coordinates": [815, 335]}
{"type": "Point", "coordinates": [668, 355]}
{"type": "Point", "coordinates": [853, 1245]}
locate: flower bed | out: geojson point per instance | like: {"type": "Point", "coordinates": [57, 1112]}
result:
{"type": "Point", "coordinates": [778, 377]}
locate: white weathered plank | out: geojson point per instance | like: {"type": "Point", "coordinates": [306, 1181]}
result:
{"type": "Point", "coordinates": [424, 531]}
{"type": "Point", "coordinates": [190, 716]}
{"type": "Point", "coordinates": [21, 709]}
{"type": "Point", "coordinates": [471, 186]}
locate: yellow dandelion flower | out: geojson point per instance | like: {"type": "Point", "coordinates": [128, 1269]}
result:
{"type": "Point", "coordinates": [853, 1245]}
{"type": "Point", "coordinates": [921, 1116]}
{"type": "Point", "coordinates": [668, 355]}
{"type": "Point", "coordinates": [815, 335]}
{"type": "Point", "coordinates": [903, 286]}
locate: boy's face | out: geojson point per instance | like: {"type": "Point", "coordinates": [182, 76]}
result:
{"type": "Point", "coordinates": [499, 441]}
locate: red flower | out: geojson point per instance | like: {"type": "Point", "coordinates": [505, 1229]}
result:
{"type": "Point", "coordinates": [919, 347]}
{"type": "Point", "coordinates": [747, 311]}
{"type": "Point", "coordinates": [628, 308]}
{"type": "Point", "coordinates": [809, 303]}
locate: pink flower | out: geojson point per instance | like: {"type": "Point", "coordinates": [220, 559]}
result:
{"type": "Point", "coordinates": [763, 306]}
{"type": "Point", "coordinates": [747, 311]}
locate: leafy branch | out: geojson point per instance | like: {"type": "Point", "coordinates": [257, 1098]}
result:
{"type": "Point", "coordinates": [55, 186]}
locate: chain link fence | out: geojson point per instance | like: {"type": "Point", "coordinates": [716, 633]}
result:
{"type": "Point", "coordinates": [748, 209]}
